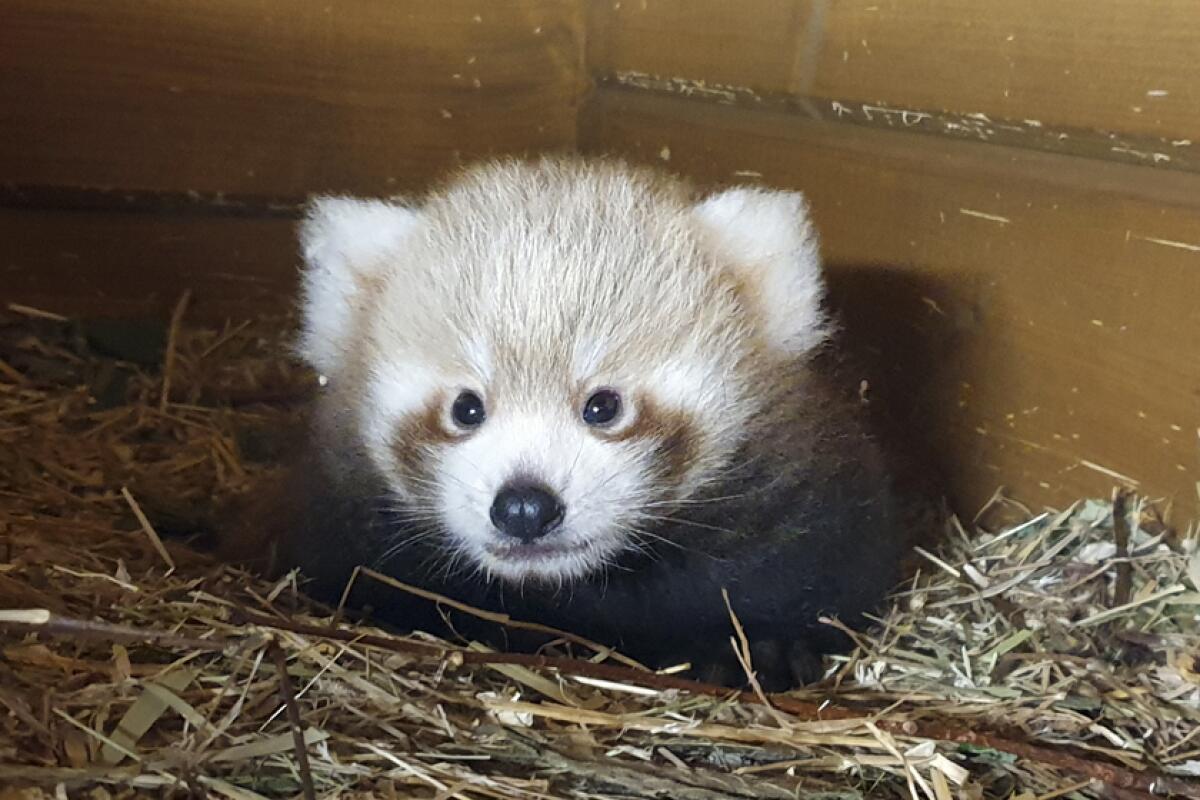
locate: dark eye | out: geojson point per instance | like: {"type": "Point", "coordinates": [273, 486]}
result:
{"type": "Point", "coordinates": [467, 410]}
{"type": "Point", "coordinates": [602, 407]}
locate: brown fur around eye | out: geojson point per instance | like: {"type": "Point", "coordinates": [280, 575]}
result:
{"type": "Point", "coordinates": [673, 435]}
{"type": "Point", "coordinates": [416, 434]}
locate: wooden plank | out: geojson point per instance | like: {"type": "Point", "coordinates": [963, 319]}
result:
{"type": "Point", "coordinates": [129, 264]}
{"type": "Point", "coordinates": [1034, 317]}
{"type": "Point", "coordinates": [1094, 64]}
{"type": "Point", "coordinates": [754, 43]}
{"type": "Point", "coordinates": [1100, 78]}
{"type": "Point", "coordinates": [259, 97]}
{"type": "Point", "coordinates": [213, 204]}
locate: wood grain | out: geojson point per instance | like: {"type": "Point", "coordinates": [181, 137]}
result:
{"type": "Point", "coordinates": [265, 98]}
{"type": "Point", "coordinates": [130, 264]}
{"type": "Point", "coordinates": [1095, 64]}
{"type": "Point", "coordinates": [1101, 78]}
{"type": "Point", "coordinates": [1034, 317]}
{"type": "Point", "coordinates": [755, 43]}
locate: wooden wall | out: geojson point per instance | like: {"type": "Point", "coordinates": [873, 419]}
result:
{"type": "Point", "coordinates": [152, 144]}
{"type": "Point", "coordinates": [1103, 78]}
{"type": "Point", "coordinates": [1008, 194]}
{"type": "Point", "coordinates": [1008, 200]}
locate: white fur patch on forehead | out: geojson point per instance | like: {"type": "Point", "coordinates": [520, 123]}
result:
{"type": "Point", "coordinates": [345, 243]}
{"type": "Point", "coordinates": [477, 355]}
{"type": "Point", "coordinates": [586, 355]}
{"type": "Point", "coordinates": [766, 238]}
{"type": "Point", "coordinates": [692, 384]}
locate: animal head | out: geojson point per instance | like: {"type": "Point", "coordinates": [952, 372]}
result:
{"type": "Point", "coordinates": [543, 359]}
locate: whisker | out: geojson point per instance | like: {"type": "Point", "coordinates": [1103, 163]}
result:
{"type": "Point", "coordinates": [694, 501]}
{"type": "Point", "coordinates": [689, 522]}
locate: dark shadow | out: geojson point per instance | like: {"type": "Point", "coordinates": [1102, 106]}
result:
{"type": "Point", "coordinates": [899, 340]}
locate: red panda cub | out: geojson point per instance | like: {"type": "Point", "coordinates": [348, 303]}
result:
{"type": "Point", "coordinates": [574, 392]}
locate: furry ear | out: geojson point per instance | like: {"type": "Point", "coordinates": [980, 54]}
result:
{"type": "Point", "coordinates": [345, 243]}
{"type": "Point", "coordinates": [766, 238]}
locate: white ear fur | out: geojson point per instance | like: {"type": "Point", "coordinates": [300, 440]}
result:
{"type": "Point", "coordinates": [767, 239]}
{"type": "Point", "coordinates": [345, 242]}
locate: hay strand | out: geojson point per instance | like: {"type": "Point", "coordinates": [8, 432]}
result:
{"type": "Point", "coordinates": [1054, 658]}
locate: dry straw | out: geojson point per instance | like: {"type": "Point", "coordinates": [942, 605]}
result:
{"type": "Point", "coordinates": [1052, 658]}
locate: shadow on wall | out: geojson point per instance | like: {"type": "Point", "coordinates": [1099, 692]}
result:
{"type": "Point", "coordinates": [900, 348]}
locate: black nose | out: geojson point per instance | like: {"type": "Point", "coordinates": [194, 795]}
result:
{"type": "Point", "coordinates": [526, 511]}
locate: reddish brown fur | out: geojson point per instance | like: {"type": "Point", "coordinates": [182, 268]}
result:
{"type": "Point", "coordinates": [674, 435]}
{"type": "Point", "coordinates": [417, 434]}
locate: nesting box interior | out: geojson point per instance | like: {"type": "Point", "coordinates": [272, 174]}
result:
{"type": "Point", "coordinates": [1008, 200]}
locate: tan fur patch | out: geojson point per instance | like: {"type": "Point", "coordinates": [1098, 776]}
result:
{"type": "Point", "coordinates": [748, 297]}
{"type": "Point", "coordinates": [674, 438]}
{"type": "Point", "coordinates": [416, 434]}
{"type": "Point", "coordinates": [359, 352]}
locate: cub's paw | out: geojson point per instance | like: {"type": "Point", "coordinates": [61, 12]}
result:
{"type": "Point", "coordinates": [778, 664]}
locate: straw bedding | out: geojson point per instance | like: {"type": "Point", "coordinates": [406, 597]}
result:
{"type": "Point", "coordinates": [1057, 656]}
